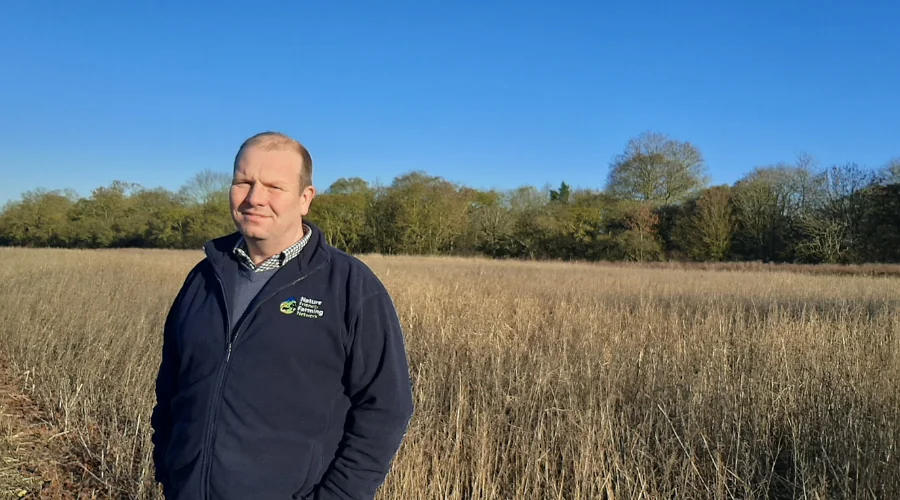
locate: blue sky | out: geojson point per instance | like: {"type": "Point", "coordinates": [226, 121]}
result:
{"type": "Point", "coordinates": [488, 93]}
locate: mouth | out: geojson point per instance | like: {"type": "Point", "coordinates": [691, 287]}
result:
{"type": "Point", "coordinates": [254, 217]}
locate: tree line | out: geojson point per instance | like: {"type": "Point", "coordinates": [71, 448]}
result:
{"type": "Point", "coordinates": [656, 205]}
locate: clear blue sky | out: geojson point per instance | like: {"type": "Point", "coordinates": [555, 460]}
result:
{"type": "Point", "coordinates": [488, 93]}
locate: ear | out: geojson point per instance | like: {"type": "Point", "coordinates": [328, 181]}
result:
{"type": "Point", "coordinates": [306, 198]}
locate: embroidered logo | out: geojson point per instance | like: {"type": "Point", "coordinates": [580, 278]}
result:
{"type": "Point", "coordinates": [305, 307]}
{"type": "Point", "coordinates": [289, 306]}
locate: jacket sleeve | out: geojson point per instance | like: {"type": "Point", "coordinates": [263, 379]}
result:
{"type": "Point", "coordinates": [166, 384]}
{"type": "Point", "coordinates": [380, 392]}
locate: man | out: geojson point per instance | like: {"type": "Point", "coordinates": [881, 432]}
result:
{"type": "Point", "coordinates": [283, 371]}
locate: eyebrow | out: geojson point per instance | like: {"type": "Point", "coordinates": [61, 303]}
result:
{"type": "Point", "coordinates": [278, 184]}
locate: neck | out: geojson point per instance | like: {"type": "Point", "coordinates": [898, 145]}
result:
{"type": "Point", "coordinates": [261, 250]}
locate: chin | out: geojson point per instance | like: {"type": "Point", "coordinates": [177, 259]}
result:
{"type": "Point", "coordinates": [252, 231]}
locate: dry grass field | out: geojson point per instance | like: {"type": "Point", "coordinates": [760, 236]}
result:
{"type": "Point", "coordinates": [532, 381]}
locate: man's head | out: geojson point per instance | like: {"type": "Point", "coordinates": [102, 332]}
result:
{"type": "Point", "coordinates": [271, 190]}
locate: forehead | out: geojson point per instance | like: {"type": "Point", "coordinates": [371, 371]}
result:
{"type": "Point", "coordinates": [271, 162]}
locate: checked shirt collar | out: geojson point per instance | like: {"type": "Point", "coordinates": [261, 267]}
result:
{"type": "Point", "coordinates": [274, 262]}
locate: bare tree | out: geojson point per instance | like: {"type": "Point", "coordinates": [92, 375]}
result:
{"type": "Point", "coordinates": [524, 198]}
{"type": "Point", "coordinates": [658, 169]}
{"type": "Point", "coordinates": [206, 187]}
{"type": "Point", "coordinates": [640, 242]}
{"type": "Point", "coordinates": [832, 227]}
{"type": "Point", "coordinates": [352, 185]}
{"type": "Point", "coordinates": [890, 174]}
{"type": "Point", "coordinates": [826, 240]}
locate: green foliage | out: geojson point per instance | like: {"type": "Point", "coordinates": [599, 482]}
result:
{"type": "Point", "coordinates": [562, 194]}
{"type": "Point", "coordinates": [654, 207]}
{"type": "Point", "coordinates": [880, 224]}
{"type": "Point", "coordinates": [420, 214]}
{"type": "Point", "coordinates": [706, 226]}
{"type": "Point", "coordinates": [39, 219]}
{"type": "Point", "coordinates": [118, 215]}
{"type": "Point", "coordinates": [342, 212]}
{"type": "Point", "coordinates": [761, 201]}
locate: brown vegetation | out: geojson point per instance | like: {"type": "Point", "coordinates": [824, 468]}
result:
{"type": "Point", "coordinates": [761, 267]}
{"type": "Point", "coordinates": [532, 381]}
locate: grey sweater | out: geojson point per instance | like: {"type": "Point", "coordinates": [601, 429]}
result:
{"type": "Point", "coordinates": [247, 286]}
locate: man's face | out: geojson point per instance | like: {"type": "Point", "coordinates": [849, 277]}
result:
{"type": "Point", "coordinates": [267, 202]}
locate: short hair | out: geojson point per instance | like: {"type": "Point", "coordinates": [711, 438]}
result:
{"type": "Point", "coordinates": [276, 141]}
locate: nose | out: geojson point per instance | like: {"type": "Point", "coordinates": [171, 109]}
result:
{"type": "Point", "coordinates": [256, 196]}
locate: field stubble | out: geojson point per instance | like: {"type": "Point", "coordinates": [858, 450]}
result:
{"type": "Point", "coordinates": [531, 380]}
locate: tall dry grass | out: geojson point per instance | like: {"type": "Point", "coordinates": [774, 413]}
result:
{"type": "Point", "coordinates": [532, 381]}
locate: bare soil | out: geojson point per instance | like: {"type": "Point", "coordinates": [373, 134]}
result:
{"type": "Point", "coordinates": [35, 461]}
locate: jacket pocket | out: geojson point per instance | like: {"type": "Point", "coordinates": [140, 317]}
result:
{"type": "Point", "coordinates": [181, 475]}
{"type": "Point", "coordinates": [253, 464]}
{"type": "Point", "coordinates": [306, 487]}
{"type": "Point", "coordinates": [181, 454]}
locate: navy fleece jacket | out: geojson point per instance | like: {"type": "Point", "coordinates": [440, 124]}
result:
{"type": "Point", "coordinates": [307, 397]}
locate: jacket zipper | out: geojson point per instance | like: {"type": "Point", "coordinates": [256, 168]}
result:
{"type": "Point", "coordinates": [220, 385]}
{"type": "Point", "coordinates": [206, 462]}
